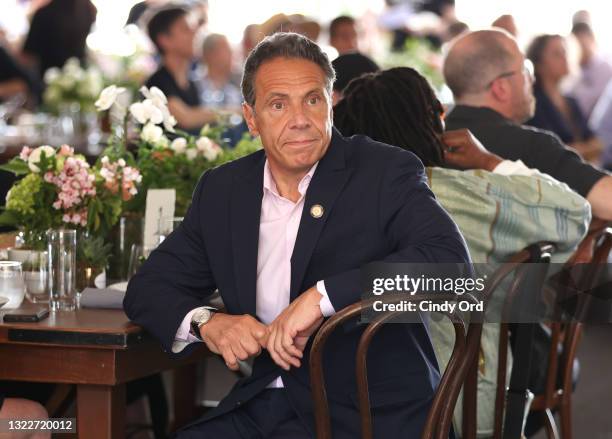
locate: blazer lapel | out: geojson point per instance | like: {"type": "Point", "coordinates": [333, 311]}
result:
{"type": "Point", "coordinates": [328, 180]}
{"type": "Point", "coordinates": [245, 214]}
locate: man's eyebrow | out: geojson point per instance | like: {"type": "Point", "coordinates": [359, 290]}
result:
{"type": "Point", "coordinates": [275, 95]}
{"type": "Point", "coordinates": [315, 90]}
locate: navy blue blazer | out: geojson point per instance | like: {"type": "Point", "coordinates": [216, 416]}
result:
{"type": "Point", "coordinates": [377, 207]}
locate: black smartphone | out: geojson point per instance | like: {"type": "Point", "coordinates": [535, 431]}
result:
{"type": "Point", "coordinates": [33, 317]}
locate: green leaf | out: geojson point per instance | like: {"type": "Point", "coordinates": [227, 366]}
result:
{"type": "Point", "coordinates": [9, 218]}
{"type": "Point", "coordinates": [16, 166]}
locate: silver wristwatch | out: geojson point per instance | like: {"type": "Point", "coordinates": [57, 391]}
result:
{"type": "Point", "coordinates": [200, 317]}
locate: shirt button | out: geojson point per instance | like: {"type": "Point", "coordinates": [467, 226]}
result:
{"type": "Point", "coordinates": [238, 403]}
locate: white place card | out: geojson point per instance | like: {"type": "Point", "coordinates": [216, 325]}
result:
{"type": "Point", "coordinates": [160, 205]}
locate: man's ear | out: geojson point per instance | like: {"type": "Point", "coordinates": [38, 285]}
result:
{"type": "Point", "coordinates": [501, 90]}
{"type": "Point", "coordinates": [162, 41]}
{"type": "Point", "coordinates": [249, 116]}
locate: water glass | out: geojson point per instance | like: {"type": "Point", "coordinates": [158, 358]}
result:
{"type": "Point", "coordinates": [62, 269]}
{"type": "Point", "coordinates": [136, 259]}
{"type": "Point", "coordinates": [11, 283]}
{"type": "Point", "coordinates": [36, 277]}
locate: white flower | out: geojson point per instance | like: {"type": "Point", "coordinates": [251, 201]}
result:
{"type": "Point", "coordinates": [169, 122]}
{"type": "Point", "coordinates": [155, 95]}
{"type": "Point", "coordinates": [163, 142]}
{"type": "Point", "coordinates": [179, 145]}
{"type": "Point", "coordinates": [208, 148]}
{"type": "Point", "coordinates": [108, 97]}
{"type": "Point", "coordinates": [145, 112]}
{"type": "Point", "coordinates": [73, 67]}
{"type": "Point", "coordinates": [191, 153]}
{"type": "Point", "coordinates": [35, 156]}
{"type": "Point", "coordinates": [66, 82]}
{"type": "Point", "coordinates": [203, 143]}
{"type": "Point", "coordinates": [121, 162]}
{"type": "Point", "coordinates": [151, 133]}
{"type": "Point", "coordinates": [107, 174]}
{"type": "Point", "coordinates": [52, 74]}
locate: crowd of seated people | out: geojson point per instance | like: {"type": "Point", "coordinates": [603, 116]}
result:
{"type": "Point", "coordinates": [500, 206]}
{"type": "Point", "coordinates": [514, 159]}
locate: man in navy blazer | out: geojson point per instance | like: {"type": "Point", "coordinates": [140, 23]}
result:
{"type": "Point", "coordinates": [319, 206]}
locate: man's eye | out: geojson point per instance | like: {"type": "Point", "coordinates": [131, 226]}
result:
{"type": "Point", "coordinates": [277, 105]}
{"type": "Point", "coordinates": [313, 100]}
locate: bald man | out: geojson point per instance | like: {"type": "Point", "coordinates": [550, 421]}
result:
{"type": "Point", "coordinates": [492, 86]}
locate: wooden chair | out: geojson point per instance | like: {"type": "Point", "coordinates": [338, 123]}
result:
{"type": "Point", "coordinates": [535, 253]}
{"type": "Point", "coordinates": [558, 391]}
{"type": "Point", "coordinates": [440, 415]}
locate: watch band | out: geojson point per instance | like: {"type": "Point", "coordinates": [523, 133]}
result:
{"type": "Point", "coordinates": [195, 331]}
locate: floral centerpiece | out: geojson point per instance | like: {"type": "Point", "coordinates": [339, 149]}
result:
{"type": "Point", "coordinates": [72, 85]}
{"type": "Point", "coordinates": [166, 156]}
{"type": "Point", "coordinates": [61, 189]}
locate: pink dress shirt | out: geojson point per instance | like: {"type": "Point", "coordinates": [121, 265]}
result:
{"type": "Point", "coordinates": [278, 228]}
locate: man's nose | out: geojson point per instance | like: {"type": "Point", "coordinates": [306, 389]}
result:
{"type": "Point", "coordinates": [299, 118]}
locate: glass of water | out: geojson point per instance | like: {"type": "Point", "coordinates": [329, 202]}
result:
{"type": "Point", "coordinates": [11, 283]}
{"type": "Point", "coordinates": [61, 249]}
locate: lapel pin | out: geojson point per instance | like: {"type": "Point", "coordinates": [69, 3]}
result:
{"type": "Point", "coordinates": [316, 211]}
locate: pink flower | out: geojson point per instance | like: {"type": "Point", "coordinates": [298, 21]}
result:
{"type": "Point", "coordinates": [25, 153]}
{"type": "Point", "coordinates": [66, 151]}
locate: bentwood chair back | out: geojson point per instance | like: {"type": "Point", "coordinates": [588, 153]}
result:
{"type": "Point", "coordinates": [535, 253]}
{"type": "Point", "coordinates": [558, 391]}
{"type": "Point", "coordinates": [439, 418]}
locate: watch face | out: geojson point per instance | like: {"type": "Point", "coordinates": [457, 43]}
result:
{"type": "Point", "coordinates": [201, 316]}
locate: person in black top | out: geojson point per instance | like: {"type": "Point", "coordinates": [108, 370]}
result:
{"type": "Point", "coordinates": [58, 32]}
{"type": "Point", "coordinates": [554, 110]}
{"type": "Point", "coordinates": [492, 87]}
{"type": "Point", "coordinates": [173, 37]}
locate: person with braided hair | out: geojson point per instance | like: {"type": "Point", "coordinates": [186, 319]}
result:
{"type": "Point", "coordinates": [498, 214]}
{"type": "Point", "coordinates": [377, 105]}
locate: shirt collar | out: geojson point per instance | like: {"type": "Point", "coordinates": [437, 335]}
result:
{"type": "Point", "coordinates": [270, 185]}
{"type": "Point", "coordinates": [483, 113]}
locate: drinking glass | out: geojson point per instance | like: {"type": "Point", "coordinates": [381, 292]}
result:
{"type": "Point", "coordinates": [11, 283]}
{"type": "Point", "coordinates": [62, 269]}
{"type": "Point", "coordinates": [36, 277]}
{"type": "Point", "coordinates": [136, 259]}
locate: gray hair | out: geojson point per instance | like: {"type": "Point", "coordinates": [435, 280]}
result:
{"type": "Point", "coordinates": [475, 59]}
{"type": "Point", "coordinates": [283, 45]}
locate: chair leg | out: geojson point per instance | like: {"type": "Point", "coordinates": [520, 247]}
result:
{"type": "Point", "coordinates": [550, 424]}
{"type": "Point", "coordinates": [565, 416]}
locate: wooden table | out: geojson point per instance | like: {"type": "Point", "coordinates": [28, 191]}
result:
{"type": "Point", "coordinates": [99, 351]}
